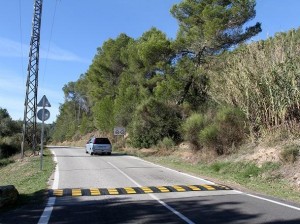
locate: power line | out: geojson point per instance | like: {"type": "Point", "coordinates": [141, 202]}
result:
{"type": "Point", "coordinates": [49, 44]}
{"type": "Point", "coordinates": [21, 38]}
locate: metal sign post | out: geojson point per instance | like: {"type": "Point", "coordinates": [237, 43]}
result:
{"type": "Point", "coordinates": [120, 131]}
{"type": "Point", "coordinates": [43, 115]}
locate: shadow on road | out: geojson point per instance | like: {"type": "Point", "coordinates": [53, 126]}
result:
{"type": "Point", "coordinates": [28, 209]}
{"type": "Point", "coordinates": [125, 210]}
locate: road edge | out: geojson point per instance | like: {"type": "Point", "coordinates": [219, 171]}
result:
{"type": "Point", "coordinates": [45, 217]}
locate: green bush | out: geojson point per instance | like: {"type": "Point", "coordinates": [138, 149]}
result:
{"type": "Point", "coordinates": [10, 145]}
{"type": "Point", "coordinates": [192, 127]}
{"type": "Point", "coordinates": [166, 143]}
{"type": "Point", "coordinates": [7, 150]}
{"type": "Point", "coordinates": [209, 136]}
{"type": "Point", "coordinates": [249, 170]}
{"type": "Point", "coordinates": [153, 121]}
{"type": "Point", "coordinates": [227, 130]}
{"type": "Point", "coordinates": [290, 153]}
{"type": "Point", "coordinates": [5, 162]}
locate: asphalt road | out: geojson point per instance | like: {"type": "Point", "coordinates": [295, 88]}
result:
{"type": "Point", "coordinates": [119, 179]}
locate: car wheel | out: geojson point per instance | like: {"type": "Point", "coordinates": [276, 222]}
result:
{"type": "Point", "coordinates": [109, 153]}
{"type": "Point", "coordinates": [86, 152]}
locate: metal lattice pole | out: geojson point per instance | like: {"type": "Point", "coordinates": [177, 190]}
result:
{"type": "Point", "coordinates": [30, 110]}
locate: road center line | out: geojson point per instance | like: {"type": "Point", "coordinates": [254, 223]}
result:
{"type": "Point", "coordinates": [155, 198]}
{"type": "Point", "coordinates": [45, 217]}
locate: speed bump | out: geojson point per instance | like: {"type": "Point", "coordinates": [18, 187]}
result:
{"type": "Point", "coordinates": [135, 190]}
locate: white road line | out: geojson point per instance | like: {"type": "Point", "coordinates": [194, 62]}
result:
{"type": "Point", "coordinates": [272, 201]}
{"type": "Point", "coordinates": [155, 198]}
{"type": "Point", "coordinates": [250, 195]}
{"type": "Point", "coordinates": [44, 219]}
{"type": "Point", "coordinates": [186, 174]}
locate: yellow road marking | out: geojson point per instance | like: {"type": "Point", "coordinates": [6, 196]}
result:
{"type": "Point", "coordinates": [210, 188]}
{"type": "Point", "coordinates": [112, 191]}
{"type": "Point", "coordinates": [194, 188]}
{"type": "Point", "coordinates": [130, 190]}
{"type": "Point", "coordinates": [163, 189]}
{"type": "Point", "coordinates": [178, 188]}
{"type": "Point", "coordinates": [146, 189]}
{"type": "Point", "coordinates": [94, 191]}
{"type": "Point", "coordinates": [76, 192]}
{"type": "Point", "coordinates": [58, 192]}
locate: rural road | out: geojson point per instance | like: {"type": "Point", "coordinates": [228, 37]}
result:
{"type": "Point", "coordinates": [119, 179]}
{"type": "Point", "coordinates": [125, 189]}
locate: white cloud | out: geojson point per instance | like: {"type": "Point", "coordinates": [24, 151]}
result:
{"type": "Point", "coordinates": [10, 48]}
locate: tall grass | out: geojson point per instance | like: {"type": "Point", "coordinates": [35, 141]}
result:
{"type": "Point", "coordinates": [263, 79]}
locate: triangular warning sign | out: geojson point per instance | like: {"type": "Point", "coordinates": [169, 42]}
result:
{"type": "Point", "coordinates": [44, 102]}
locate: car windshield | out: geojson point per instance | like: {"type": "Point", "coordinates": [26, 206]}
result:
{"type": "Point", "coordinates": [101, 141]}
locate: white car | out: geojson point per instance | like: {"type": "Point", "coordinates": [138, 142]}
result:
{"type": "Point", "coordinates": [98, 146]}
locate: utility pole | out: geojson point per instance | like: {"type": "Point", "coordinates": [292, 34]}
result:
{"type": "Point", "coordinates": [30, 110]}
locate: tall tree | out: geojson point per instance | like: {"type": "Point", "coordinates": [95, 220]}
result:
{"type": "Point", "coordinates": [207, 28]}
{"type": "Point", "coordinates": [107, 67]}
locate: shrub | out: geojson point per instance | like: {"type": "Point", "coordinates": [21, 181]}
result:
{"type": "Point", "coordinates": [192, 127]}
{"type": "Point", "coordinates": [10, 146]}
{"type": "Point", "coordinates": [227, 130]}
{"type": "Point", "coordinates": [166, 143]}
{"type": "Point", "coordinates": [209, 136]}
{"type": "Point", "coordinates": [250, 170]}
{"type": "Point", "coordinates": [290, 153]}
{"type": "Point", "coordinates": [153, 121]}
{"type": "Point", "coordinates": [7, 150]}
{"type": "Point", "coordinates": [5, 162]}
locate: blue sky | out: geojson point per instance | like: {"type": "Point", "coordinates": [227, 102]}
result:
{"type": "Point", "coordinates": [72, 30]}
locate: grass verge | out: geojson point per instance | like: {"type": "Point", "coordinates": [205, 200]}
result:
{"type": "Point", "coordinates": [245, 176]}
{"type": "Point", "coordinates": [28, 179]}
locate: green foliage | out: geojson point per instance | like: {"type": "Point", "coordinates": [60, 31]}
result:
{"type": "Point", "coordinates": [227, 130]}
{"type": "Point", "coordinates": [86, 124]}
{"type": "Point", "coordinates": [209, 137]}
{"type": "Point", "coordinates": [166, 143]}
{"type": "Point", "coordinates": [7, 150]}
{"type": "Point", "coordinates": [126, 100]}
{"type": "Point", "coordinates": [242, 171]}
{"type": "Point", "coordinates": [152, 122]}
{"type": "Point", "coordinates": [261, 78]}
{"type": "Point", "coordinates": [104, 74]}
{"type": "Point", "coordinates": [192, 127]}
{"type": "Point", "coordinates": [5, 162]}
{"type": "Point", "coordinates": [191, 73]}
{"type": "Point", "coordinates": [290, 153]}
{"type": "Point", "coordinates": [104, 114]}
{"type": "Point", "coordinates": [208, 26]}
{"type": "Point", "coordinates": [10, 135]}
{"type": "Point", "coordinates": [153, 48]}
{"type": "Point", "coordinates": [8, 127]}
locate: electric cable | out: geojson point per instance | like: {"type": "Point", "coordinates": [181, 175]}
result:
{"type": "Point", "coordinates": [21, 39]}
{"type": "Point", "coordinates": [49, 44]}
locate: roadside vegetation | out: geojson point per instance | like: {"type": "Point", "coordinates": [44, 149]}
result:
{"type": "Point", "coordinates": [26, 176]}
{"type": "Point", "coordinates": [266, 178]}
{"type": "Point", "coordinates": [25, 173]}
{"type": "Point", "coordinates": [210, 88]}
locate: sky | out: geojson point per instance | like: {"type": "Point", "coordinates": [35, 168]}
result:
{"type": "Point", "coordinates": [72, 30]}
